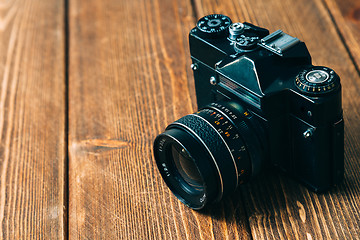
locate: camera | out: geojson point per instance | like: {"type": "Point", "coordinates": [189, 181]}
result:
{"type": "Point", "coordinates": [262, 106]}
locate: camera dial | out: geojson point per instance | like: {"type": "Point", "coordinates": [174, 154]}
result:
{"type": "Point", "coordinates": [317, 80]}
{"type": "Point", "coordinates": [245, 36]}
{"type": "Point", "coordinates": [244, 42]}
{"type": "Point", "coordinates": [214, 25]}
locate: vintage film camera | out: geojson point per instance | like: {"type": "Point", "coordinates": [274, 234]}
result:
{"type": "Point", "coordinates": [262, 105]}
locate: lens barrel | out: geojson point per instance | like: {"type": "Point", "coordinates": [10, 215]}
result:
{"type": "Point", "coordinates": [204, 156]}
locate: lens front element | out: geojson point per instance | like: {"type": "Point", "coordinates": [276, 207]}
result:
{"type": "Point", "coordinates": [187, 168]}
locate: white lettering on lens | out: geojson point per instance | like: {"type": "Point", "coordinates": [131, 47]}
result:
{"type": "Point", "coordinates": [166, 170]}
{"type": "Point", "coordinates": [202, 199]}
{"type": "Point", "coordinates": [161, 144]}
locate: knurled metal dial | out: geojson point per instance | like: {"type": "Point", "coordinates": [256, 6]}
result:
{"type": "Point", "coordinates": [317, 80]}
{"type": "Point", "coordinates": [214, 25]}
{"type": "Point", "coordinates": [246, 42]}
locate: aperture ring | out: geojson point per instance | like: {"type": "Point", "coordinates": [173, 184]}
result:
{"type": "Point", "coordinates": [242, 119]}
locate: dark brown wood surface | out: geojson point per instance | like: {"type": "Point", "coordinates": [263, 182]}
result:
{"type": "Point", "coordinates": [32, 120]}
{"type": "Point", "coordinates": [346, 17]}
{"type": "Point", "coordinates": [123, 78]}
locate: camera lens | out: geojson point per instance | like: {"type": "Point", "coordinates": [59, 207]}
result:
{"type": "Point", "coordinates": [205, 156]}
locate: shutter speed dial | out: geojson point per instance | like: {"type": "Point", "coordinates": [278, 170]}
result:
{"type": "Point", "coordinates": [317, 80]}
{"type": "Point", "coordinates": [214, 25]}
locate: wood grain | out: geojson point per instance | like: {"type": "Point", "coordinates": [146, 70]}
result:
{"type": "Point", "coordinates": [129, 77]}
{"type": "Point", "coordinates": [277, 207]}
{"type": "Point", "coordinates": [32, 120]}
{"type": "Point", "coordinates": [346, 17]}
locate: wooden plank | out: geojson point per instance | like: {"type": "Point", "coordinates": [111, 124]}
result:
{"type": "Point", "coordinates": [129, 78]}
{"type": "Point", "coordinates": [32, 120]}
{"type": "Point", "coordinates": [346, 16]}
{"type": "Point", "coordinates": [279, 208]}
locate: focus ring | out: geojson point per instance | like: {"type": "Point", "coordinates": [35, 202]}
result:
{"type": "Point", "coordinates": [216, 147]}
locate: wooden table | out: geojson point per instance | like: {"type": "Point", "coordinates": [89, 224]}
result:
{"type": "Point", "coordinates": [87, 85]}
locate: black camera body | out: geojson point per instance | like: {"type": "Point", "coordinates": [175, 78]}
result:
{"type": "Point", "coordinates": [265, 102]}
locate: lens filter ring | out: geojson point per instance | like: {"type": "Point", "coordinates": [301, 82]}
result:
{"type": "Point", "coordinates": [194, 197]}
